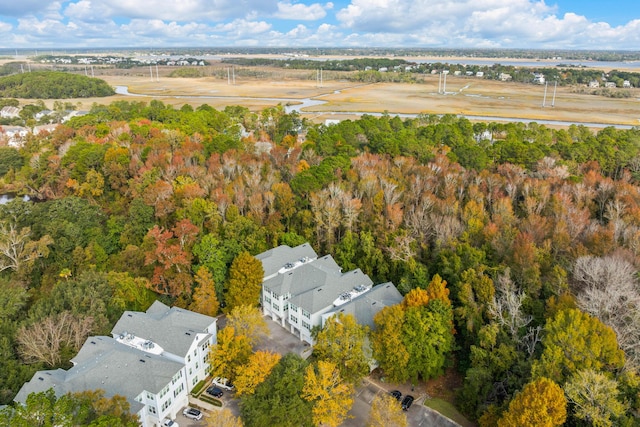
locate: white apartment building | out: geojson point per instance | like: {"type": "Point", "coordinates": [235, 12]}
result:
{"type": "Point", "coordinates": [154, 359]}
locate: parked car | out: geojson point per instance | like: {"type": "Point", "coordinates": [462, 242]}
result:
{"type": "Point", "coordinates": [396, 394]}
{"type": "Point", "coordinates": [215, 391]}
{"type": "Point", "coordinates": [406, 402]}
{"type": "Point", "coordinates": [223, 383]}
{"type": "Point", "coordinates": [169, 423]}
{"type": "Point", "coordinates": [192, 413]}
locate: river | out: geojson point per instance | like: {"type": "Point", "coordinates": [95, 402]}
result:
{"type": "Point", "coordinates": [299, 104]}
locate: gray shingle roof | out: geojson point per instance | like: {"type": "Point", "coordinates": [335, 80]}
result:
{"type": "Point", "coordinates": [320, 297]}
{"type": "Point", "coordinates": [103, 363]}
{"type": "Point", "coordinates": [364, 307]}
{"type": "Point", "coordinates": [305, 277]}
{"type": "Point", "coordinates": [173, 328]}
{"type": "Point", "coordinates": [274, 259]}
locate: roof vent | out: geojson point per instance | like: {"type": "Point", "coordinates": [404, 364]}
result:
{"type": "Point", "coordinates": [130, 315]}
{"type": "Point", "coordinates": [142, 360]}
{"type": "Point", "coordinates": [188, 333]}
{"type": "Point", "coordinates": [41, 379]}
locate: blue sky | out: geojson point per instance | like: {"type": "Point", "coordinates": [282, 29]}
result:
{"type": "Point", "coordinates": [563, 24]}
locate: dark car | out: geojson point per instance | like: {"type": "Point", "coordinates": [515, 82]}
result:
{"type": "Point", "coordinates": [396, 394]}
{"type": "Point", "coordinates": [406, 402]}
{"type": "Point", "coordinates": [215, 391]}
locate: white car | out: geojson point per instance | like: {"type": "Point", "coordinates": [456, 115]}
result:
{"type": "Point", "coordinates": [169, 423]}
{"type": "Point", "coordinates": [223, 383]}
{"type": "Point", "coordinates": [192, 413]}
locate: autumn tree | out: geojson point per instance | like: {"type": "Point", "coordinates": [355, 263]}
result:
{"type": "Point", "coordinates": [245, 281]}
{"type": "Point", "coordinates": [87, 408]}
{"type": "Point", "coordinates": [255, 371]}
{"type": "Point", "coordinates": [277, 401]}
{"type": "Point", "coordinates": [46, 340]}
{"type": "Point", "coordinates": [249, 322]}
{"type": "Point", "coordinates": [387, 344]}
{"type": "Point", "coordinates": [575, 341]}
{"type": "Point", "coordinates": [595, 398]}
{"type": "Point", "coordinates": [170, 255]}
{"type": "Point", "coordinates": [205, 300]}
{"type": "Point", "coordinates": [331, 396]}
{"type": "Point", "coordinates": [342, 341]}
{"type": "Point", "coordinates": [230, 352]}
{"type": "Point", "coordinates": [223, 418]}
{"type": "Point", "coordinates": [386, 412]}
{"type": "Point", "coordinates": [541, 403]}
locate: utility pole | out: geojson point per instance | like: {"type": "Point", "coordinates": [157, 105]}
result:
{"type": "Point", "coordinates": [157, 74]}
{"type": "Point", "coordinates": [439, 82]}
{"type": "Point", "coordinates": [553, 101]}
{"type": "Point", "coordinates": [544, 99]}
{"type": "Point", "coordinates": [444, 87]}
{"type": "Point", "coordinates": [151, 72]}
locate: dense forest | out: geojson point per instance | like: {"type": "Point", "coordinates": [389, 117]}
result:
{"type": "Point", "coordinates": [525, 239]}
{"type": "Point", "coordinates": [52, 85]}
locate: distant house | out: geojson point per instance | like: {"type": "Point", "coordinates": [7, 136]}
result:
{"type": "Point", "coordinates": [40, 114]}
{"type": "Point", "coordinates": [594, 84]}
{"type": "Point", "coordinates": [626, 84]}
{"type": "Point", "coordinates": [383, 69]}
{"type": "Point", "coordinates": [13, 135]}
{"type": "Point", "coordinates": [9, 112]}
{"type": "Point", "coordinates": [480, 74]}
{"type": "Point", "coordinates": [469, 73]}
{"type": "Point", "coordinates": [457, 73]}
{"type": "Point", "coordinates": [153, 359]}
{"type": "Point", "coordinates": [538, 78]}
{"type": "Point", "coordinates": [610, 85]}
{"type": "Point", "coordinates": [300, 290]}
{"type": "Point", "coordinates": [44, 128]}
{"type": "Point", "coordinates": [504, 77]}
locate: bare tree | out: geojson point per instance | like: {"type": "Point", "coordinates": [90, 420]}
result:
{"type": "Point", "coordinates": [607, 288]}
{"type": "Point", "coordinates": [44, 340]}
{"type": "Point", "coordinates": [506, 306]}
{"type": "Point", "coordinates": [16, 247]}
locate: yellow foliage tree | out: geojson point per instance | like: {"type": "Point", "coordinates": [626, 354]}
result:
{"type": "Point", "coordinates": [386, 342]}
{"type": "Point", "coordinates": [437, 289]}
{"type": "Point", "coordinates": [416, 297]}
{"type": "Point", "coordinates": [386, 412]}
{"type": "Point", "coordinates": [223, 418]}
{"type": "Point", "coordinates": [205, 300]}
{"type": "Point", "coordinates": [331, 396]}
{"type": "Point", "coordinates": [255, 371]}
{"type": "Point", "coordinates": [248, 321]}
{"type": "Point", "coordinates": [541, 403]}
{"type": "Point", "coordinates": [230, 352]}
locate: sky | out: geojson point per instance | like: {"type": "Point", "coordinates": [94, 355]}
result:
{"type": "Point", "coordinates": [534, 24]}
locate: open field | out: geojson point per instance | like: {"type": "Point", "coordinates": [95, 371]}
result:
{"type": "Point", "coordinates": [258, 87]}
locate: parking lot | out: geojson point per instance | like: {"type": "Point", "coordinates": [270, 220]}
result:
{"type": "Point", "coordinates": [282, 342]}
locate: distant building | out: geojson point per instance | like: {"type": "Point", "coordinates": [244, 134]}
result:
{"type": "Point", "coordinates": [610, 85]}
{"type": "Point", "coordinates": [504, 77]}
{"type": "Point", "coordinates": [538, 78]}
{"type": "Point", "coordinates": [480, 74]}
{"type": "Point", "coordinates": [9, 112]}
{"type": "Point", "coordinates": [457, 73]}
{"type": "Point", "coordinates": [594, 84]}
{"type": "Point", "coordinates": [626, 84]}
{"type": "Point", "coordinates": [13, 135]}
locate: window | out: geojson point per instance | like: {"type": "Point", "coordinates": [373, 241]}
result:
{"type": "Point", "coordinates": [197, 365]}
{"type": "Point", "coordinates": [286, 306]}
{"type": "Point", "coordinates": [152, 409]}
{"type": "Point", "coordinates": [150, 396]}
{"type": "Point", "coordinates": [195, 352]}
{"type": "Point", "coordinates": [306, 325]}
{"type": "Point", "coordinates": [276, 308]}
{"type": "Point", "coordinates": [188, 358]}
{"type": "Point", "coordinates": [195, 380]}
{"type": "Point", "coordinates": [166, 404]}
{"type": "Point", "coordinates": [305, 313]}
{"type": "Point", "coordinates": [267, 299]}
{"type": "Point", "coordinates": [294, 319]}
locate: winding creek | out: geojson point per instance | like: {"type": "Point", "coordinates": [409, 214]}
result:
{"type": "Point", "coordinates": [299, 104]}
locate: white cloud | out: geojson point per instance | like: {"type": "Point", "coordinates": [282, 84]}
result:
{"type": "Point", "coordinates": [301, 12]}
{"type": "Point", "coordinates": [186, 10]}
{"type": "Point", "coordinates": [475, 23]}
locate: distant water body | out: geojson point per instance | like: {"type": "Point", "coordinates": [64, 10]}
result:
{"type": "Point", "coordinates": [618, 65]}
